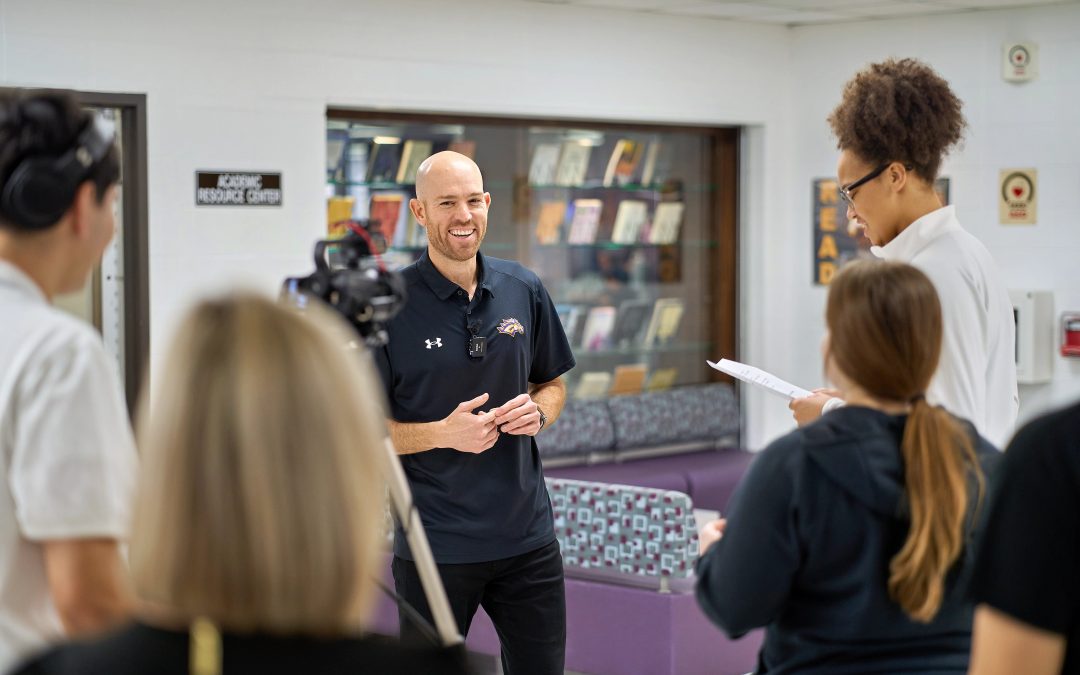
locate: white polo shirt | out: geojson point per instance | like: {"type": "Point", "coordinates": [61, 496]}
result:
{"type": "Point", "coordinates": [976, 378]}
{"type": "Point", "coordinates": [67, 458]}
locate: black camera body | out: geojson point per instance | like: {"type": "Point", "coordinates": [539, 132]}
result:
{"type": "Point", "coordinates": [351, 278]}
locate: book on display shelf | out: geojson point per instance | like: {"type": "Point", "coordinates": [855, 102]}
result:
{"type": "Point", "coordinates": [667, 220]}
{"type": "Point", "coordinates": [335, 151]}
{"type": "Point", "coordinates": [664, 322]}
{"type": "Point", "coordinates": [661, 379]}
{"type": "Point", "coordinates": [649, 164]}
{"type": "Point", "coordinates": [562, 310]}
{"type": "Point", "coordinates": [593, 384]}
{"type": "Point", "coordinates": [545, 159]}
{"type": "Point", "coordinates": [628, 379]}
{"type": "Point", "coordinates": [629, 219]}
{"type": "Point", "coordinates": [574, 324]}
{"type": "Point", "coordinates": [549, 223]}
{"type": "Point", "coordinates": [573, 163]}
{"type": "Point", "coordinates": [585, 221]}
{"type": "Point", "coordinates": [630, 320]}
{"type": "Point", "coordinates": [412, 155]}
{"type": "Point", "coordinates": [356, 162]}
{"type": "Point", "coordinates": [623, 163]}
{"type": "Point", "coordinates": [388, 209]}
{"type": "Point", "coordinates": [338, 211]}
{"type": "Point", "coordinates": [383, 162]}
{"type": "Point", "coordinates": [598, 325]}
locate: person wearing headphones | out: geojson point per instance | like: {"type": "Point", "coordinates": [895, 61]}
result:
{"type": "Point", "coordinates": [67, 458]}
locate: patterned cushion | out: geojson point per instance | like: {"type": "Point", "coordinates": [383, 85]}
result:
{"type": "Point", "coordinates": [583, 427]}
{"type": "Point", "coordinates": [620, 528]}
{"type": "Point", "coordinates": [693, 413]}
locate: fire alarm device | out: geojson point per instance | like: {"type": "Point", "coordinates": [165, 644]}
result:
{"type": "Point", "coordinates": [1020, 63]}
{"type": "Point", "coordinates": [1070, 334]}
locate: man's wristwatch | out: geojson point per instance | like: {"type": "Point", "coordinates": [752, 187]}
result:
{"type": "Point", "coordinates": [543, 419]}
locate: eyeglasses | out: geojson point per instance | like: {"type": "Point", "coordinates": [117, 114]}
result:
{"type": "Point", "coordinates": [845, 190]}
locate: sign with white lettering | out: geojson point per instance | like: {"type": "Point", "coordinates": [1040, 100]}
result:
{"type": "Point", "coordinates": [237, 188]}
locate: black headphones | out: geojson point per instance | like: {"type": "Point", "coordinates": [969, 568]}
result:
{"type": "Point", "coordinates": [41, 188]}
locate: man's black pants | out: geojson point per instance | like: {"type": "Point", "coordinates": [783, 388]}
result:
{"type": "Point", "coordinates": [524, 596]}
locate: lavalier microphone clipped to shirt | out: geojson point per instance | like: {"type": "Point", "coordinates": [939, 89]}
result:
{"type": "Point", "coordinates": [477, 342]}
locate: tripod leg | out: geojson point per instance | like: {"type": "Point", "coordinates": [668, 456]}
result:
{"type": "Point", "coordinates": [401, 500]}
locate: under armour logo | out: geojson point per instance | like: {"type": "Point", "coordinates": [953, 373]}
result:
{"type": "Point", "coordinates": [437, 342]}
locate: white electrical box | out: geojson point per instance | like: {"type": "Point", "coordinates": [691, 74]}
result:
{"type": "Point", "coordinates": [1033, 312]}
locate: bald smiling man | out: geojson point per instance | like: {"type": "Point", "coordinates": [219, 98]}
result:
{"type": "Point", "coordinates": [473, 371]}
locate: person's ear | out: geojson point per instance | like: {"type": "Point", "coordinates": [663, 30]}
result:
{"type": "Point", "coordinates": [83, 209]}
{"type": "Point", "coordinates": [487, 199]}
{"type": "Point", "coordinates": [898, 176]}
{"type": "Point", "coordinates": [417, 208]}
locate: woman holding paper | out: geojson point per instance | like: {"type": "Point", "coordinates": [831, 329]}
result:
{"type": "Point", "coordinates": [850, 538]}
{"type": "Point", "coordinates": [895, 124]}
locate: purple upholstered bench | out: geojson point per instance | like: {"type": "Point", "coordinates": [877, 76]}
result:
{"type": "Point", "coordinates": [683, 439]}
{"type": "Point", "coordinates": [619, 544]}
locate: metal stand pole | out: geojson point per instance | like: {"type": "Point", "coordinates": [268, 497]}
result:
{"type": "Point", "coordinates": [401, 500]}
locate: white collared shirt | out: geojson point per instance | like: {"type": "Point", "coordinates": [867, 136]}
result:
{"type": "Point", "coordinates": [976, 377]}
{"type": "Point", "coordinates": [67, 458]}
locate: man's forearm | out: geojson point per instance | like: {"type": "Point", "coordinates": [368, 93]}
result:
{"type": "Point", "coordinates": [412, 437]}
{"type": "Point", "coordinates": [550, 397]}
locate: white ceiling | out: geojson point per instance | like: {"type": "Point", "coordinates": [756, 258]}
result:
{"type": "Point", "coordinates": [800, 12]}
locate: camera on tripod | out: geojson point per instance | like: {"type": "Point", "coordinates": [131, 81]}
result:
{"type": "Point", "coordinates": [350, 277]}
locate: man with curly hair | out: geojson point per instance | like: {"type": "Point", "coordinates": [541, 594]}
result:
{"type": "Point", "coordinates": [895, 123]}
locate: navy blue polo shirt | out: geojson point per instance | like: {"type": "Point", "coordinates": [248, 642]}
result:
{"type": "Point", "coordinates": [491, 505]}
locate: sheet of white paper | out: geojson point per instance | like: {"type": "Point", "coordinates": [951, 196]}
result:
{"type": "Point", "coordinates": [759, 377]}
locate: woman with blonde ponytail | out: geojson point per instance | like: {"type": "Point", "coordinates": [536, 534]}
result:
{"type": "Point", "coordinates": [850, 538]}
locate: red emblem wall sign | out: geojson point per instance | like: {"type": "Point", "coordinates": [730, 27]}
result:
{"type": "Point", "coordinates": [1016, 198]}
{"type": "Point", "coordinates": [1020, 62]}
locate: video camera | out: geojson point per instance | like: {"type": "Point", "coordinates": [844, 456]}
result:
{"type": "Point", "coordinates": [351, 277]}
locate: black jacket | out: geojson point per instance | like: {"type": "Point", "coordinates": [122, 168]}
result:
{"type": "Point", "coordinates": [811, 530]}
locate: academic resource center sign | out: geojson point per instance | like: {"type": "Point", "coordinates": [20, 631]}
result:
{"type": "Point", "coordinates": [237, 188]}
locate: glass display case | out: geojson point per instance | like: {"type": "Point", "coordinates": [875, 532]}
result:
{"type": "Point", "coordinates": [631, 228]}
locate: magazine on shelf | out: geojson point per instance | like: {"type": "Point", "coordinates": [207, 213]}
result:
{"type": "Point", "coordinates": [574, 324]}
{"type": "Point", "coordinates": [383, 162]}
{"type": "Point", "coordinates": [412, 155]}
{"type": "Point", "coordinates": [598, 325]}
{"type": "Point", "coordinates": [666, 223]}
{"type": "Point", "coordinates": [628, 379]}
{"type": "Point", "coordinates": [388, 208]}
{"type": "Point", "coordinates": [664, 322]}
{"type": "Point", "coordinates": [623, 163]}
{"type": "Point", "coordinates": [631, 215]}
{"type": "Point", "coordinates": [585, 221]}
{"type": "Point", "coordinates": [629, 322]}
{"type": "Point", "coordinates": [550, 221]}
{"type": "Point", "coordinates": [648, 165]}
{"type": "Point", "coordinates": [545, 159]}
{"type": "Point", "coordinates": [593, 384]}
{"type": "Point", "coordinates": [335, 150]}
{"type": "Point", "coordinates": [573, 163]}
{"type": "Point", "coordinates": [662, 378]}
{"type": "Point", "coordinates": [338, 210]}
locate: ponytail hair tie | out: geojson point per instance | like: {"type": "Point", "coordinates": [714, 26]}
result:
{"type": "Point", "coordinates": [918, 397]}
